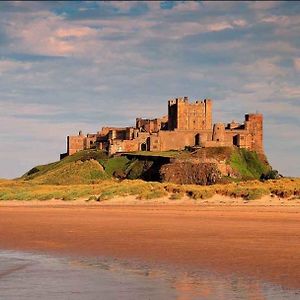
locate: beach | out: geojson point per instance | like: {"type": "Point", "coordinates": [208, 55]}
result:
{"type": "Point", "coordinates": [261, 242]}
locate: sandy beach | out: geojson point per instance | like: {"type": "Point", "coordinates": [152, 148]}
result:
{"type": "Point", "coordinates": [260, 241]}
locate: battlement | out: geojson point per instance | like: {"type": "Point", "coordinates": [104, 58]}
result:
{"type": "Point", "coordinates": [183, 115]}
{"type": "Point", "coordinates": [178, 100]}
{"type": "Point", "coordinates": [187, 124]}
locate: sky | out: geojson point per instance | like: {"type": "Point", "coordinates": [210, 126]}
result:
{"type": "Point", "coordinates": [70, 66]}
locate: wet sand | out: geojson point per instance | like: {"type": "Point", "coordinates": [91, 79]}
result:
{"type": "Point", "coordinates": [263, 242]}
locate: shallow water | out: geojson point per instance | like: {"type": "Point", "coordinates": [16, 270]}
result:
{"type": "Point", "coordinates": [37, 276]}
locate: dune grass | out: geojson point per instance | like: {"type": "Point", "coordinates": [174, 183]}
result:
{"type": "Point", "coordinates": [110, 188]}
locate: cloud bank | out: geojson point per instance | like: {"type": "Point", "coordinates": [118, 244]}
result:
{"type": "Point", "coordinates": [66, 66]}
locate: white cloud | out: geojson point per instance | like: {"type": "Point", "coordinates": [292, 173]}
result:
{"type": "Point", "coordinates": [291, 91]}
{"type": "Point", "coordinates": [74, 32]}
{"type": "Point", "coordinates": [186, 6]}
{"type": "Point", "coordinates": [240, 22]}
{"type": "Point", "coordinates": [264, 67]}
{"type": "Point", "coordinates": [11, 65]}
{"type": "Point", "coordinates": [297, 63]}
{"type": "Point", "coordinates": [263, 5]}
{"type": "Point", "coordinates": [281, 20]}
{"type": "Point", "coordinates": [9, 108]}
{"type": "Point", "coordinates": [130, 65]}
{"type": "Point", "coordinates": [123, 6]}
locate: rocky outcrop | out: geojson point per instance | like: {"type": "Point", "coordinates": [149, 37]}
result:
{"type": "Point", "coordinates": [189, 172]}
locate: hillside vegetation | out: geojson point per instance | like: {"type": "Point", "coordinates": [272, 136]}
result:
{"type": "Point", "coordinates": [93, 176]}
{"type": "Point", "coordinates": [248, 164]}
{"type": "Point", "coordinates": [82, 167]}
{"type": "Point", "coordinates": [91, 166]}
{"type": "Point", "coordinates": [88, 166]}
{"type": "Point", "coordinates": [285, 188]}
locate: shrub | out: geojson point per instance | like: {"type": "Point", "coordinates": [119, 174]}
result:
{"type": "Point", "coordinates": [256, 194]}
{"type": "Point", "coordinates": [45, 197]}
{"type": "Point", "coordinates": [176, 196]}
{"type": "Point", "coordinates": [120, 174]}
{"type": "Point", "coordinates": [92, 198]}
{"type": "Point", "coordinates": [271, 174]}
{"type": "Point", "coordinates": [200, 194]}
{"type": "Point", "coordinates": [152, 194]}
{"type": "Point", "coordinates": [283, 193]}
{"type": "Point", "coordinates": [114, 164]}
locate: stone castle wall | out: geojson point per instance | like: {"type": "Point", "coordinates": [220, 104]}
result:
{"type": "Point", "coordinates": [187, 124]}
{"type": "Point", "coordinates": [183, 115]}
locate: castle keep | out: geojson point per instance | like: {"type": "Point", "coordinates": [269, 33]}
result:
{"type": "Point", "coordinates": [187, 124]}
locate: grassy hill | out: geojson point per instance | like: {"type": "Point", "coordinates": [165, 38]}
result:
{"type": "Point", "coordinates": [91, 166]}
{"type": "Point", "coordinates": [248, 164]}
{"type": "Point", "coordinates": [88, 166]}
{"type": "Point", "coordinates": [81, 167]}
{"type": "Point", "coordinates": [90, 175]}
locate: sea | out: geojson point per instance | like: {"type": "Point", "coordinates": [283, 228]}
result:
{"type": "Point", "coordinates": [25, 275]}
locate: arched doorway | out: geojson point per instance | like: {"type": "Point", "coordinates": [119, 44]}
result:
{"type": "Point", "coordinates": [197, 139]}
{"type": "Point", "coordinates": [235, 140]}
{"type": "Point", "coordinates": [146, 145]}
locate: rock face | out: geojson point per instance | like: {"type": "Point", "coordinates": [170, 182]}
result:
{"type": "Point", "coordinates": [188, 172]}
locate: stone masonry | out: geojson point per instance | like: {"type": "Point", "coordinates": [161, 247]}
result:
{"type": "Point", "coordinates": [187, 125]}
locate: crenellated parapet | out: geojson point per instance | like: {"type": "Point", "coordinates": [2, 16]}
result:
{"type": "Point", "coordinates": [186, 125]}
{"type": "Point", "coordinates": [183, 115]}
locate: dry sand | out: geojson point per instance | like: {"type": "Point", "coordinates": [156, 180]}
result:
{"type": "Point", "coordinates": [261, 241]}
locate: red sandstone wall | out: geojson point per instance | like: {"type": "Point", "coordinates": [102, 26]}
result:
{"type": "Point", "coordinates": [251, 137]}
{"type": "Point", "coordinates": [254, 124]}
{"type": "Point", "coordinates": [177, 140]}
{"type": "Point", "coordinates": [75, 144]}
{"type": "Point", "coordinates": [189, 116]}
{"type": "Point", "coordinates": [185, 121]}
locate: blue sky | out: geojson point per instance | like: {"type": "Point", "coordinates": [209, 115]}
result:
{"type": "Point", "coordinates": [66, 66]}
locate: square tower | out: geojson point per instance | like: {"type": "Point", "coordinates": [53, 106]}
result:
{"type": "Point", "coordinates": [254, 126]}
{"type": "Point", "coordinates": [183, 115]}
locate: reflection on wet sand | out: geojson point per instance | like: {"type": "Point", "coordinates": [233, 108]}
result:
{"type": "Point", "coordinates": [203, 284]}
{"type": "Point", "coordinates": [34, 276]}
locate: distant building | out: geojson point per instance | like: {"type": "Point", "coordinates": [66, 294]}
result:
{"type": "Point", "coordinates": [187, 124]}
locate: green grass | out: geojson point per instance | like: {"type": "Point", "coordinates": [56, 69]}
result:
{"type": "Point", "coordinates": [136, 168]}
{"type": "Point", "coordinates": [85, 166]}
{"type": "Point", "coordinates": [73, 173]}
{"type": "Point", "coordinates": [114, 164]}
{"type": "Point", "coordinates": [247, 164]}
{"type": "Point", "coordinates": [79, 156]}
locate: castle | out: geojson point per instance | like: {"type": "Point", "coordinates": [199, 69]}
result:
{"type": "Point", "coordinates": [187, 124]}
